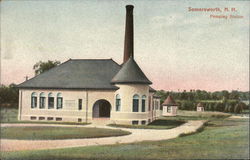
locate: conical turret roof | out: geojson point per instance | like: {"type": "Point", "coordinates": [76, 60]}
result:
{"type": "Point", "coordinates": [169, 101]}
{"type": "Point", "coordinates": [200, 105]}
{"type": "Point", "coordinates": [130, 73]}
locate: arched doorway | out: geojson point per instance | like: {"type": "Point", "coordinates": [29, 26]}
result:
{"type": "Point", "coordinates": [101, 109]}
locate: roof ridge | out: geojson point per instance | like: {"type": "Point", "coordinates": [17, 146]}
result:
{"type": "Point", "coordinates": [89, 59]}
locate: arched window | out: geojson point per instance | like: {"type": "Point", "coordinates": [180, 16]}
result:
{"type": "Point", "coordinates": [42, 101]}
{"type": "Point", "coordinates": [50, 101]}
{"type": "Point", "coordinates": [33, 100]}
{"type": "Point", "coordinates": [143, 102]}
{"type": "Point", "coordinates": [118, 102]}
{"type": "Point", "coordinates": [59, 104]}
{"type": "Point", "coordinates": [156, 104]}
{"type": "Point", "coordinates": [135, 103]}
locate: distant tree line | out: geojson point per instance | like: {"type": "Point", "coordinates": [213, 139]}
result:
{"type": "Point", "coordinates": [222, 101]}
{"type": "Point", "coordinates": [194, 95]}
{"type": "Point", "coordinates": [8, 95]}
{"type": "Point", "coordinates": [229, 106]}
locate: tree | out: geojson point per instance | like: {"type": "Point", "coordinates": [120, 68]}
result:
{"type": "Point", "coordinates": [226, 109]}
{"type": "Point", "coordinates": [8, 94]}
{"type": "Point", "coordinates": [231, 108]}
{"type": "Point", "coordinates": [210, 107]}
{"type": "Point", "coordinates": [237, 108]}
{"type": "Point", "coordinates": [41, 67]}
{"type": "Point", "coordinates": [234, 95]}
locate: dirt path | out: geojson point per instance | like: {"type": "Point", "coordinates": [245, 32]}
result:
{"type": "Point", "coordinates": [239, 117]}
{"type": "Point", "coordinates": [136, 136]}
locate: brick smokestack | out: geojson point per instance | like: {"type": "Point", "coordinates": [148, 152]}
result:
{"type": "Point", "coordinates": [129, 34]}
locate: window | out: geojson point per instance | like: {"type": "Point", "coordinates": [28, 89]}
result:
{"type": "Point", "coordinates": [169, 109]}
{"type": "Point", "coordinates": [143, 101]}
{"type": "Point", "coordinates": [50, 101]}
{"type": "Point", "coordinates": [42, 101]}
{"type": "Point", "coordinates": [135, 103]}
{"type": "Point", "coordinates": [41, 118]}
{"type": "Point", "coordinates": [59, 102]}
{"type": "Point", "coordinates": [50, 118]}
{"type": "Point", "coordinates": [143, 122]}
{"type": "Point", "coordinates": [58, 119]}
{"type": "Point", "coordinates": [156, 104]}
{"type": "Point", "coordinates": [149, 102]}
{"type": "Point", "coordinates": [118, 102]}
{"type": "Point", "coordinates": [135, 122]}
{"type": "Point", "coordinates": [153, 105]}
{"type": "Point", "coordinates": [32, 118]}
{"type": "Point", "coordinates": [79, 120]}
{"type": "Point", "coordinates": [79, 104]}
{"type": "Point", "coordinates": [33, 100]}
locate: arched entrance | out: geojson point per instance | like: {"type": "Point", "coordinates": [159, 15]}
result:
{"type": "Point", "coordinates": [101, 109]}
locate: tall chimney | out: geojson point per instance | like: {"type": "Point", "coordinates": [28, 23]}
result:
{"type": "Point", "coordinates": [129, 34]}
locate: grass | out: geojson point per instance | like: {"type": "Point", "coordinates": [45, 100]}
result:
{"type": "Point", "coordinates": [8, 115]}
{"type": "Point", "coordinates": [220, 139]}
{"type": "Point", "coordinates": [51, 133]}
{"type": "Point", "coordinates": [157, 124]}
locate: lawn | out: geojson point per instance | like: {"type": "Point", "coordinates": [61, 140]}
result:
{"type": "Point", "coordinates": [51, 133]}
{"type": "Point", "coordinates": [221, 139]}
{"type": "Point", "coordinates": [8, 114]}
{"type": "Point", "coordinates": [157, 124]}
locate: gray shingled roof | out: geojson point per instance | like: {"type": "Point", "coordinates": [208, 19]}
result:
{"type": "Point", "coordinates": [130, 73]}
{"type": "Point", "coordinates": [77, 74]}
{"type": "Point", "coordinates": [151, 89]}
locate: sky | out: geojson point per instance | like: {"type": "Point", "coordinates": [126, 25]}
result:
{"type": "Point", "coordinates": [176, 48]}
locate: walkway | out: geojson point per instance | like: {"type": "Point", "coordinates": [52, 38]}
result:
{"type": "Point", "coordinates": [136, 136]}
